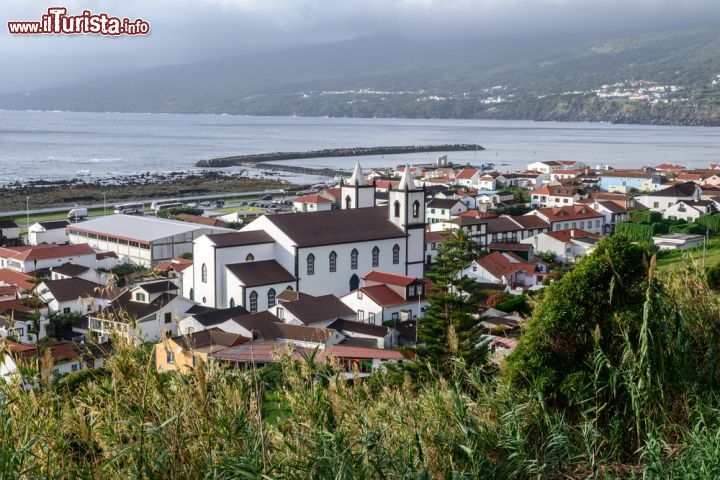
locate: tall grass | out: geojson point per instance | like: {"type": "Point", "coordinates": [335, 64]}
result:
{"type": "Point", "coordinates": [131, 421]}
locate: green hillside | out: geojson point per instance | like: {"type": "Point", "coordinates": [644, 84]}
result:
{"type": "Point", "coordinates": [388, 75]}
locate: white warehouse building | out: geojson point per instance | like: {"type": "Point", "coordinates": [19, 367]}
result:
{"type": "Point", "coordinates": [139, 240]}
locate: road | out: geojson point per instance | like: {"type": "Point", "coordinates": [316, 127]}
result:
{"type": "Point", "coordinates": [40, 211]}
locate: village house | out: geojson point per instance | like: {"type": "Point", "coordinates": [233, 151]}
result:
{"type": "Point", "coordinates": [303, 309]}
{"type": "Point", "coordinates": [567, 245]}
{"type": "Point", "coordinates": [52, 231]}
{"type": "Point", "coordinates": [9, 233]}
{"type": "Point", "coordinates": [507, 269]}
{"type": "Point", "coordinates": [144, 313]}
{"type": "Point", "coordinates": [689, 210]}
{"type": "Point", "coordinates": [667, 197]}
{"type": "Point", "coordinates": [623, 181]}
{"type": "Point", "coordinates": [387, 297]}
{"type": "Point", "coordinates": [183, 352]}
{"type": "Point", "coordinates": [28, 259]}
{"type": "Point", "coordinates": [556, 196]}
{"type": "Point", "coordinates": [314, 202]}
{"type": "Point", "coordinates": [579, 216]}
{"type": "Point", "coordinates": [443, 209]}
{"type": "Point", "coordinates": [75, 295]}
{"type": "Point", "coordinates": [468, 177]}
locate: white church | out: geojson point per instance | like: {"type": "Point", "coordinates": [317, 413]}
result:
{"type": "Point", "coordinates": [318, 253]}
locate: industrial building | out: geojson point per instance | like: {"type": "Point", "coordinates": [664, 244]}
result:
{"type": "Point", "coordinates": [139, 240]}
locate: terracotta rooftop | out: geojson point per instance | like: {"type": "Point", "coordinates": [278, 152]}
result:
{"type": "Point", "coordinates": [389, 278]}
{"type": "Point", "coordinates": [43, 252]}
{"type": "Point", "coordinates": [566, 235]}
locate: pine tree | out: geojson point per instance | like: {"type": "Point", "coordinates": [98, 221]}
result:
{"type": "Point", "coordinates": [449, 328]}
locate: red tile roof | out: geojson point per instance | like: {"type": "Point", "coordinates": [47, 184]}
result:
{"type": "Point", "coordinates": [383, 295]}
{"type": "Point", "coordinates": [177, 264]}
{"type": "Point", "coordinates": [347, 351]}
{"type": "Point", "coordinates": [577, 212]}
{"type": "Point", "coordinates": [466, 173]}
{"type": "Point", "coordinates": [389, 278]}
{"type": "Point", "coordinates": [199, 219]}
{"type": "Point", "coordinates": [435, 237]}
{"type": "Point", "coordinates": [499, 264]}
{"type": "Point", "coordinates": [313, 198]}
{"type": "Point", "coordinates": [566, 235]}
{"type": "Point", "coordinates": [475, 214]}
{"type": "Point", "coordinates": [11, 277]}
{"type": "Point", "coordinates": [42, 252]}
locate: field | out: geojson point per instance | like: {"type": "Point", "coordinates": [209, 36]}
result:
{"type": "Point", "coordinates": [708, 259]}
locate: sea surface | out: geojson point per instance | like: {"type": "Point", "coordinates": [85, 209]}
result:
{"type": "Point", "coordinates": [62, 145]}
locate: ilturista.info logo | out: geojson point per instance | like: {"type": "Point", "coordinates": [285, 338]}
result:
{"type": "Point", "coordinates": [57, 22]}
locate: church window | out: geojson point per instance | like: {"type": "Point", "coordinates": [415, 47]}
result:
{"type": "Point", "coordinates": [203, 273]}
{"type": "Point", "coordinates": [271, 298]}
{"type": "Point", "coordinates": [250, 257]}
{"type": "Point", "coordinates": [253, 301]}
{"type": "Point", "coordinates": [232, 302]}
{"type": "Point", "coordinates": [397, 208]}
{"type": "Point", "coordinates": [311, 264]}
{"type": "Point", "coordinates": [416, 209]}
{"type": "Point", "coordinates": [396, 254]}
{"type": "Point", "coordinates": [354, 259]}
{"type": "Point", "coordinates": [375, 257]}
{"type": "Point", "coordinates": [333, 261]}
{"type": "Point", "coordinates": [348, 202]}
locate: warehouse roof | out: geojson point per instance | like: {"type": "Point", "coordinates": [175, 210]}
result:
{"type": "Point", "coordinates": [134, 227]}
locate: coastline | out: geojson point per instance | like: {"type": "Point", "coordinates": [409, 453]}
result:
{"type": "Point", "coordinates": [68, 193]}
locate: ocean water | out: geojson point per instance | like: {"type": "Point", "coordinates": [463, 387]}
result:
{"type": "Point", "coordinates": [61, 145]}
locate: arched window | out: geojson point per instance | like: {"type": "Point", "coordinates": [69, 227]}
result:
{"type": "Point", "coordinates": [204, 300]}
{"type": "Point", "coordinates": [253, 301]}
{"type": "Point", "coordinates": [311, 264]}
{"type": "Point", "coordinates": [396, 206]}
{"type": "Point", "coordinates": [232, 302]}
{"type": "Point", "coordinates": [396, 254]}
{"type": "Point", "coordinates": [354, 259]}
{"type": "Point", "coordinates": [375, 256]}
{"type": "Point", "coordinates": [192, 294]}
{"type": "Point", "coordinates": [416, 209]}
{"type": "Point", "coordinates": [290, 288]}
{"type": "Point", "coordinates": [203, 273]}
{"type": "Point", "coordinates": [333, 261]}
{"type": "Point", "coordinates": [250, 257]}
{"type": "Point", "coordinates": [271, 298]}
{"type": "Point", "coordinates": [348, 202]}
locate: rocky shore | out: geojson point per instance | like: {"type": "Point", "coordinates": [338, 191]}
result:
{"type": "Point", "coordinates": [60, 193]}
{"type": "Point", "coordinates": [334, 152]}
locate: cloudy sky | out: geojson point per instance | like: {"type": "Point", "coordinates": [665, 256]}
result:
{"type": "Point", "coordinates": [189, 30]}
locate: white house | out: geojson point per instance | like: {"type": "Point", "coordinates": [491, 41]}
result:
{"type": "Point", "coordinates": [9, 233]}
{"type": "Point", "coordinates": [567, 245]}
{"type": "Point", "coordinates": [443, 209]}
{"type": "Point", "coordinates": [303, 309]}
{"type": "Point", "coordinates": [53, 231]}
{"type": "Point", "coordinates": [318, 253]}
{"type": "Point", "coordinates": [387, 297]}
{"type": "Point", "coordinates": [546, 166]}
{"type": "Point", "coordinates": [76, 295]}
{"type": "Point", "coordinates": [28, 259]}
{"type": "Point", "coordinates": [665, 198]}
{"type": "Point", "coordinates": [689, 210]}
{"type": "Point", "coordinates": [144, 313]}
{"type": "Point", "coordinates": [313, 203]}
{"type": "Point", "coordinates": [506, 268]}
{"type": "Point", "coordinates": [581, 217]}
{"type": "Point", "coordinates": [678, 241]}
{"type": "Point", "coordinates": [467, 177]}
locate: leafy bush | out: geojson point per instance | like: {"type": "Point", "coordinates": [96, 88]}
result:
{"type": "Point", "coordinates": [517, 303]}
{"type": "Point", "coordinates": [710, 222]}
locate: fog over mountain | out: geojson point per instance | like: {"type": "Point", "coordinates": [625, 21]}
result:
{"type": "Point", "coordinates": [187, 31]}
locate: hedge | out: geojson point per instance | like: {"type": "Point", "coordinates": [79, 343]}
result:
{"type": "Point", "coordinates": [645, 216]}
{"type": "Point", "coordinates": [640, 232]}
{"type": "Point", "coordinates": [711, 222]}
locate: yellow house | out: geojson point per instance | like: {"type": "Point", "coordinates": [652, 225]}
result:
{"type": "Point", "coordinates": [182, 353]}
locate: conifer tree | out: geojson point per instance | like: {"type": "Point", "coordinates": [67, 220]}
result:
{"type": "Point", "coordinates": [449, 328]}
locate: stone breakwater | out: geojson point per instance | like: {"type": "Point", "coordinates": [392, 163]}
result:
{"type": "Point", "coordinates": [334, 152]}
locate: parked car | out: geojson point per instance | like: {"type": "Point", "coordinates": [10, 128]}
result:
{"type": "Point", "coordinates": [220, 203]}
{"type": "Point", "coordinates": [267, 197]}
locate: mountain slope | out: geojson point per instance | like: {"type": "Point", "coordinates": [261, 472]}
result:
{"type": "Point", "coordinates": [388, 75]}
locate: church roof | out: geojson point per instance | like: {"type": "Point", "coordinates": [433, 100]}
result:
{"type": "Point", "coordinates": [406, 181]}
{"type": "Point", "coordinates": [332, 227]}
{"type": "Point", "coordinates": [264, 272]}
{"type": "Point", "coordinates": [357, 176]}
